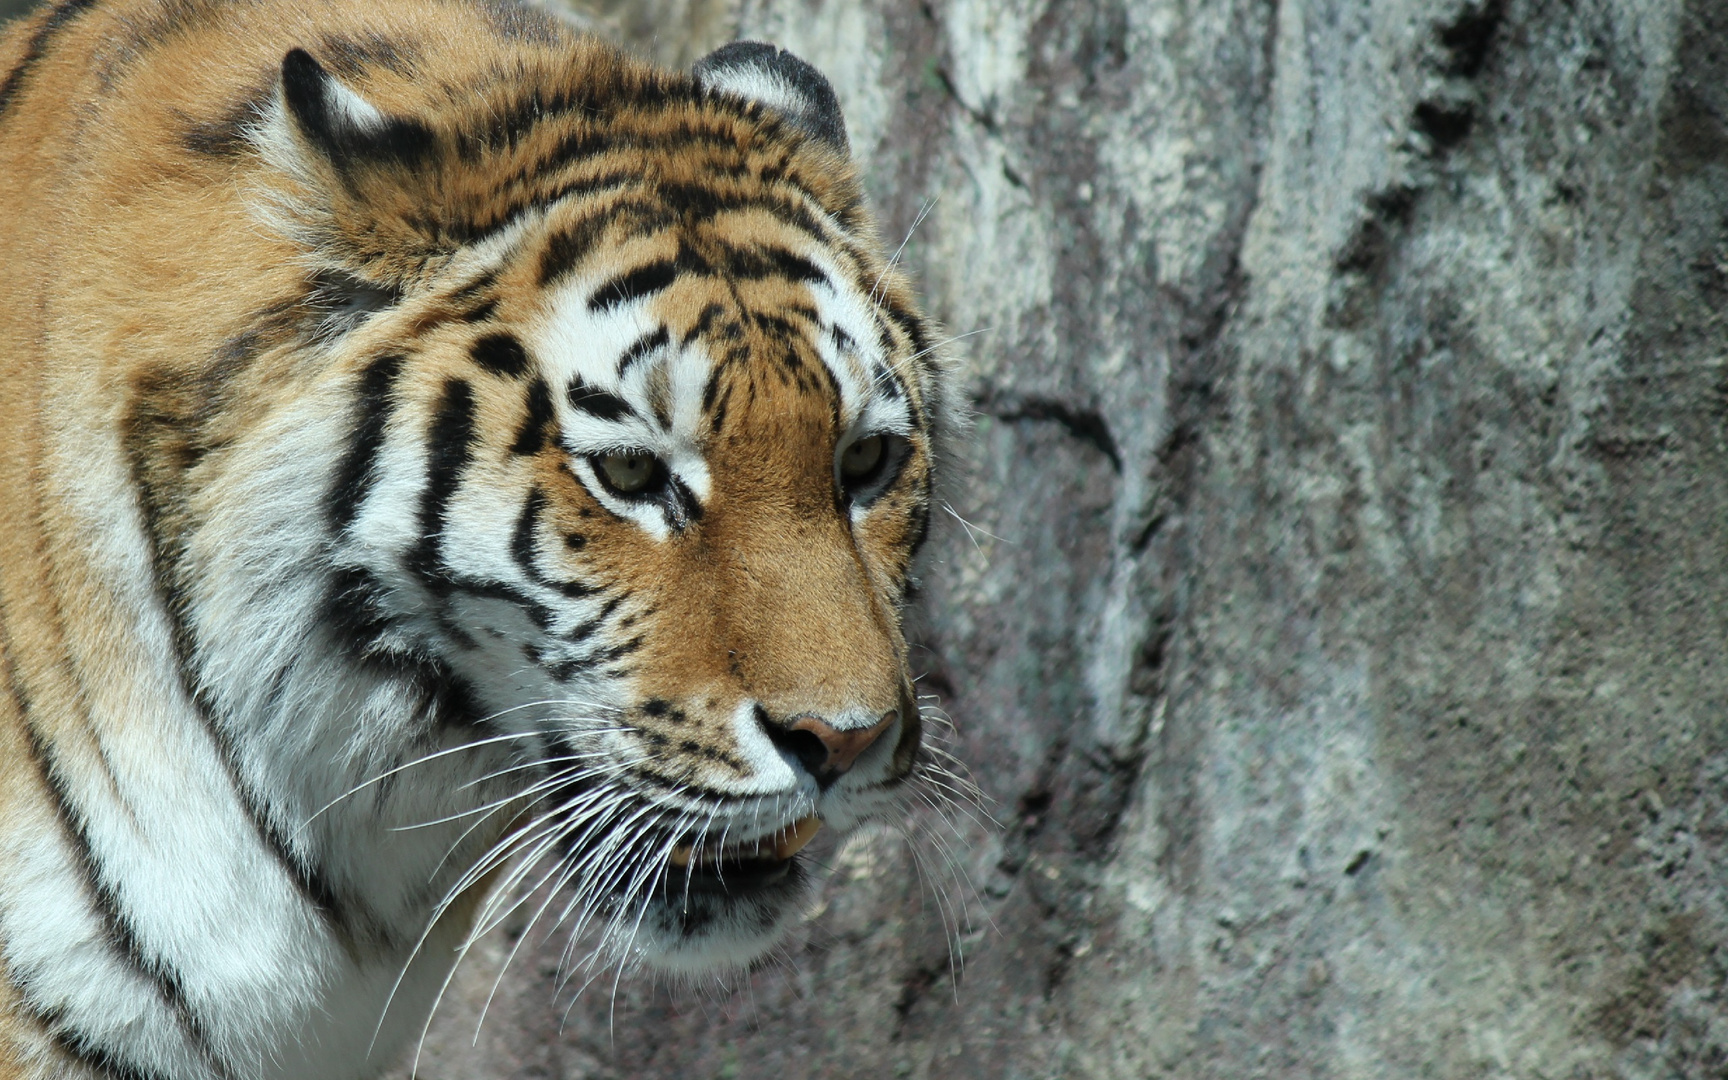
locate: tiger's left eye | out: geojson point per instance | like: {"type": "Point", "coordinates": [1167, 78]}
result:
{"type": "Point", "coordinates": [861, 459]}
{"type": "Point", "coordinates": [630, 472]}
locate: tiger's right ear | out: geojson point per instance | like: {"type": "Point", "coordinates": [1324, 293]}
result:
{"type": "Point", "coordinates": [343, 126]}
{"type": "Point", "coordinates": [756, 71]}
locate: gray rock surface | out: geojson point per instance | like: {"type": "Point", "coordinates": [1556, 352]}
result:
{"type": "Point", "coordinates": [1340, 625]}
{"type": "Point", "coordinates": [1342, 631]}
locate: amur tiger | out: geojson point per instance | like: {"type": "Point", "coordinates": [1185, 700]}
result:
{"type": "Point", "coordinates": [443, 464]}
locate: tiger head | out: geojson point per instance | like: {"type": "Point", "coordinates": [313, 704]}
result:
{"type": "Point", "coordinates": [623, 433]}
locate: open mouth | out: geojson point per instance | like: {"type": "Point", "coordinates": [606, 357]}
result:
{"type": "Point", "coordinates": [736, 867]}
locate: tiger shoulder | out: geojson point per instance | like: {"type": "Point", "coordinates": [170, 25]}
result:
{"type": "Point", "coordinates": [444, 462]}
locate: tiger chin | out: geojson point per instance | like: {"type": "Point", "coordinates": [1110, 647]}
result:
{"type": "Point", "coordinates": [449, 469]}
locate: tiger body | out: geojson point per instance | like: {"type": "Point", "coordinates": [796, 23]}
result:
{"type": "Point", "coordinates": [439, 455]}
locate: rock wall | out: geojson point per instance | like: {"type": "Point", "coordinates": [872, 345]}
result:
{"type": "Point", "coordinates": [1339, 628]}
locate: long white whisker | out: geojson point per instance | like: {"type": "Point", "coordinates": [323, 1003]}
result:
{"type": "Point", "coordinates": [363, 785]}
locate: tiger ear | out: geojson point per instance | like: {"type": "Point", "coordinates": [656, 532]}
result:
{"type": "Point", "coordinates": [345, 127]}
{"type": "Point", "coordinates": [792, 88]}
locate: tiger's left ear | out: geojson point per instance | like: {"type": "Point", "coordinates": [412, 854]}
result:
{"type": "Point", "coordinates": [345, 127]}
{"type": "Point", "coordinates": [792, 88]}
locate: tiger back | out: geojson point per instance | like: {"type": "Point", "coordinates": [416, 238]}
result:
{"type": "Point", "coordinates": [446, 465]}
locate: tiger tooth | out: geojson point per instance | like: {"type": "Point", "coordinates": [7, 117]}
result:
{"type": "Point", "coordinates": [791, 840]}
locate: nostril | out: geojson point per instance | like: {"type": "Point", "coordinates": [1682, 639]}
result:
{"type": "Point", "coordinates": [806, 746]}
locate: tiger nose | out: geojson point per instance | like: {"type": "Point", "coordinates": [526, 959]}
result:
{"type": "Point", "coordinates": [825, 750]}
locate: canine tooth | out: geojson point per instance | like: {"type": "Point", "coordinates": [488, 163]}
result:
{"type": "Point", "coordinates": [681, 855]}
{"type": "Point", "coordinates": [791, 840]}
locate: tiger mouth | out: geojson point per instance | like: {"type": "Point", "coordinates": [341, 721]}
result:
{"type": "Point", "coordinates": [732, 867]}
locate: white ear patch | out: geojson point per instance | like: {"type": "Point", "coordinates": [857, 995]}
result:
{"type": "Point", "coordinates": [758, 84]}
{"type": "Point", "coordinates": [350, 112]}
{"type": "Point", "coordinates": [780, 82]}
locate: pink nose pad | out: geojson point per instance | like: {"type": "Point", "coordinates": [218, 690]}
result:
{"type": "Point", "coordinates": [844, 746]}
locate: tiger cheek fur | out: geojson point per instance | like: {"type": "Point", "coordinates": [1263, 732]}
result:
{"type": "Point", "coordinates": [444, 458]}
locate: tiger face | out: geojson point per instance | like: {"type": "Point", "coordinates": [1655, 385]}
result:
{"type": "Point", "coordinates": [642, 474]}
{"type": "Point", "coordinates": [465, 468]}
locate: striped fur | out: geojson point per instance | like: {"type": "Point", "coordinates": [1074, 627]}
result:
{"type": "Point", "coordinates": [324, 620]}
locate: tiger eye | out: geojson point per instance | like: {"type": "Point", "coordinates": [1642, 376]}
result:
{"type": "Point", "coordinates": [861, 458]}
{"type": "Point", "coordinates": [628, 473]}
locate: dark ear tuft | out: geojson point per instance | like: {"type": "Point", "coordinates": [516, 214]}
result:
{"type": "Point", "coordinates": [760, 72]}
{"type": "Point", "coordinates": [341, 123]}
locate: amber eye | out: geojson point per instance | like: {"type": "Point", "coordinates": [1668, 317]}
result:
{"type": "Point", "coordinates": [860, 460]}
{"type": "Point", "coordinates": [629, 472]}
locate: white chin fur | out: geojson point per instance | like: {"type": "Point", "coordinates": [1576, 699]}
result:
{"type": "Point", "coordinates": [734, 932]}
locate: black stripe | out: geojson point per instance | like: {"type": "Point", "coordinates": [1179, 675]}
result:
{"type": "Point", "coordinates": [143, 425]}
{"type": "Point", "coordinates": [474, 288]}
{"type": "Point", "coordinates": [354, 612]}
{"type": "Point", "coordinates": [538, 427]}
{"type": "Point", "coordinates": [349, 58]}
{"type": "Point", "coordinates": [480, 312]}
{"type": "Point", "coordinates": [226, 135]}
{"type": "Point", "coordinates": [501, 354]}
{"type": "Point", "coordinates": [522, 539]}
{"type": "Point", "coordinates": [523, 550]}
{"type": "Point", "coordinates": [566, 250]}
{"type": "Point", "coordinates": [634, 285]}
{"type": "Point", "coordinates": [598, 402]}
{"type": "Point", "coordinates": [569, 246]}
{"type": "Point", "coordinates": [100, 1061]}
{"type": "Point", "coordinates": [909, 324]}
{"type": "Point", "coordinates": [73, 1044]}
{"type": "Point", "coordinates": [704, 322]}
{"type": "Point", "coordinates": [450, 449]}
{"type": "Point", "coordinates": [777, 327]}
{"type": "Point", "coordinates": [585, 630]}
{"type": "Point", "coordinates": [358, 469]}
{"type": "Point", "coordinates": [643, 345]}
{"type": "Point", "coordinates": [119, 931]}
{"type": "Point", "coordinates": [746, 265]}
{"type": "Point", "coordinates": [501, 215]}
{"type": "Point", "coordinates": [619, 651]}
{"type": "Point", "coordinates": [696, 203]}
{"type": "Point", "coordinates": [509, 125]}
{"type": "Point", "coordinates": [58, 19]}
{"type": "Point", "coordinates": [590, 142]}
{"type": "Point", "coordinates": [542, 615]}
{"type": "Point", "coordinates": [76, 1046]}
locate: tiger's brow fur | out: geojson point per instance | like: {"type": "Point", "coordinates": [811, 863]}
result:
{"type": "Point", "coordinates": [323, 639]}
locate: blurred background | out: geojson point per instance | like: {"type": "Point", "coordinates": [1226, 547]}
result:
{"type": "Point", "coordinates": [1341, 629]}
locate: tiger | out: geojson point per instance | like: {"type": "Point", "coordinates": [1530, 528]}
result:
{"type": "Point", "coordinates": [452, 472]}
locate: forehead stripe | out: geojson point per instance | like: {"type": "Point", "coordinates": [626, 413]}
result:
{"type": "Point", "coordinates": [754, 264]}
{"type": "Point", "coordinates": [643, 346]}
{"type": "Point", "coordinates": [597, 402]}
{"type": "Point", "coordinates": [538, 425]}
{"type": "Point", "coordinates": [501, 354]}
{"type": "Point", "coordinates": [642, 281]}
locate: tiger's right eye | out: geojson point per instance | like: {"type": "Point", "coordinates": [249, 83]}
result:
{"type": "Point", "coordinates": [629, 472]}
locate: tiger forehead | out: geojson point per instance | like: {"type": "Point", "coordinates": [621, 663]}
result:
{"type": "Point", "coordinates": [674, 325]}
